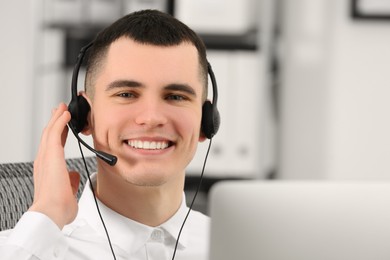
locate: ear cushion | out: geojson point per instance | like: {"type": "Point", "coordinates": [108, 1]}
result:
{"type": "Point", "coordinates": [79, 109]}
{"type": "Point", "coordinates": [210, 119]}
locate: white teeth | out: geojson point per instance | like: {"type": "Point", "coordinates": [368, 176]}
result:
{"type": "Point", "coordinates": [147, 145]}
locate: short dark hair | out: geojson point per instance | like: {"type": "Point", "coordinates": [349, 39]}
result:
{"type": "Point", "coordinates": [147, 27]}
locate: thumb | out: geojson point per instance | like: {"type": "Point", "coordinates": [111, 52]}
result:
{"type": "Point", "coordinates": [74, 178]}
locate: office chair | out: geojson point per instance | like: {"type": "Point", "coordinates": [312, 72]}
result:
{"type": "Point", "coordinates": [17, 188]}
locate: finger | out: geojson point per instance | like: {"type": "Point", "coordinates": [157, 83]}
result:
{"type": "Point", "coordinates": [56, 114]}
{"type": "Point", "coordinates": [57, 133]}
{"type": "Point", "coordinates": [54, 134]}
{"type": "Point", "coordinates": [64, 135]}
{"type": "Point", "coordinates": [51, 153]}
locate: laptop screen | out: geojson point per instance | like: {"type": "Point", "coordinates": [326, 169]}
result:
{"type": "Point", "coordinates": [300, 220]}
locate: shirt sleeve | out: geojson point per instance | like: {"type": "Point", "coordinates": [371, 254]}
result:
{"type": "Point", "coordinates": [34, 237]}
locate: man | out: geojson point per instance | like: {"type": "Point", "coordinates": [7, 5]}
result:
{"type": "Point", "coordinates": [146, 82]}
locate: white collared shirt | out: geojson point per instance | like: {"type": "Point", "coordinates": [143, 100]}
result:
{"type": "Point", "coordinates": [37, 237]}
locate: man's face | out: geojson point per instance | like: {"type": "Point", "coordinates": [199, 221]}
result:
{"type": "Point", "coordinates": [146, 110]}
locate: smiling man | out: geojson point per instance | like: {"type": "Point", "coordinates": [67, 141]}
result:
{"type": "Point", "coordinates": [146, 83]}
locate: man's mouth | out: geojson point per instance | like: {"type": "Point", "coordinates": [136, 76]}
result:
{"type": "Point", "coordinates": [148, 145]}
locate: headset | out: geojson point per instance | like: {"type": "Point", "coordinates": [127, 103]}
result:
{"type": "Point", "coordinates": [79, 109]}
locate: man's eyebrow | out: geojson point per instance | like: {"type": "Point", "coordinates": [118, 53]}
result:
{"type": "Point", "coordinates": [135, 84]}
{"type": "Point", "coordinates": [181, 87]}
{"type": "Point", "coordinates": [123, 83]}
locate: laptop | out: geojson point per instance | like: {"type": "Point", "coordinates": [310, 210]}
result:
{"type": "Point", "coordinates": [300, 220]}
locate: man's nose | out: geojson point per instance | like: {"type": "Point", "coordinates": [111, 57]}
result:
{"type": "Point", "coordinates": [151, 114]}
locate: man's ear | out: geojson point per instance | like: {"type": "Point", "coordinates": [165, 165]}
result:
{"type": "Point", "coordinates": [202, 137]}
{"type": "Point", "coordinates": [87, 130]}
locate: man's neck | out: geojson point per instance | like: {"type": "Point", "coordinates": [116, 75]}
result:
{"type": "Point", "coordinates": [148, 205]}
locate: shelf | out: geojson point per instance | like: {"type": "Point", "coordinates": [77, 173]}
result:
{"type": "Point", "coordinates": [246, 41]}
{"type": "Point", "coordinates": [78, 35]}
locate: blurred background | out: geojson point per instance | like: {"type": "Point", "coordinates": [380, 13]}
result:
{"type": "Point", "coordinates": [304, 85]}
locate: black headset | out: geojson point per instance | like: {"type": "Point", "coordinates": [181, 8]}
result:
{"type": "Point", "coordinates": [79, 109]}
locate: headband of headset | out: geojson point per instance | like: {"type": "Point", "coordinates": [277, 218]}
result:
{"type": "Point", "coordinates": [79, 107]}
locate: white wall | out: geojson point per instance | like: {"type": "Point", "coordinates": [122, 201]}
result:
{"type": "Point", "coordinates": [16, 77]}
{"type": "Point", "coordinates": [239, 146]}
{"type": "Point", "coordinates": [359, 144]}
{"type": "Point", "coordinates": [335, 93]}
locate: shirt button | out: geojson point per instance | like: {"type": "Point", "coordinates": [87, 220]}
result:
{"type": "Point", "coordinates": [157, 235]}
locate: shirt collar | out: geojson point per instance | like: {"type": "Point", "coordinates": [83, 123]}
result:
{"type": "Point", "coordinates": [124, 232]}
{"type": "Point", "coordinates": [174, 224]}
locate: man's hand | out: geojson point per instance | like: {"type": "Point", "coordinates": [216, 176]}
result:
{"type": "Point", "coordinates": [55, 188]}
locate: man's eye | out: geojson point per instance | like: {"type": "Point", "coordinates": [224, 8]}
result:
{"type": "Point", "coordinates": [126, 95]}
{"type": "Point", "coordinates": [176, 97]}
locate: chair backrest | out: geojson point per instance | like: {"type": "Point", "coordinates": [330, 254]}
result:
{"type": "Point", "coordinates": [17, 188]}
